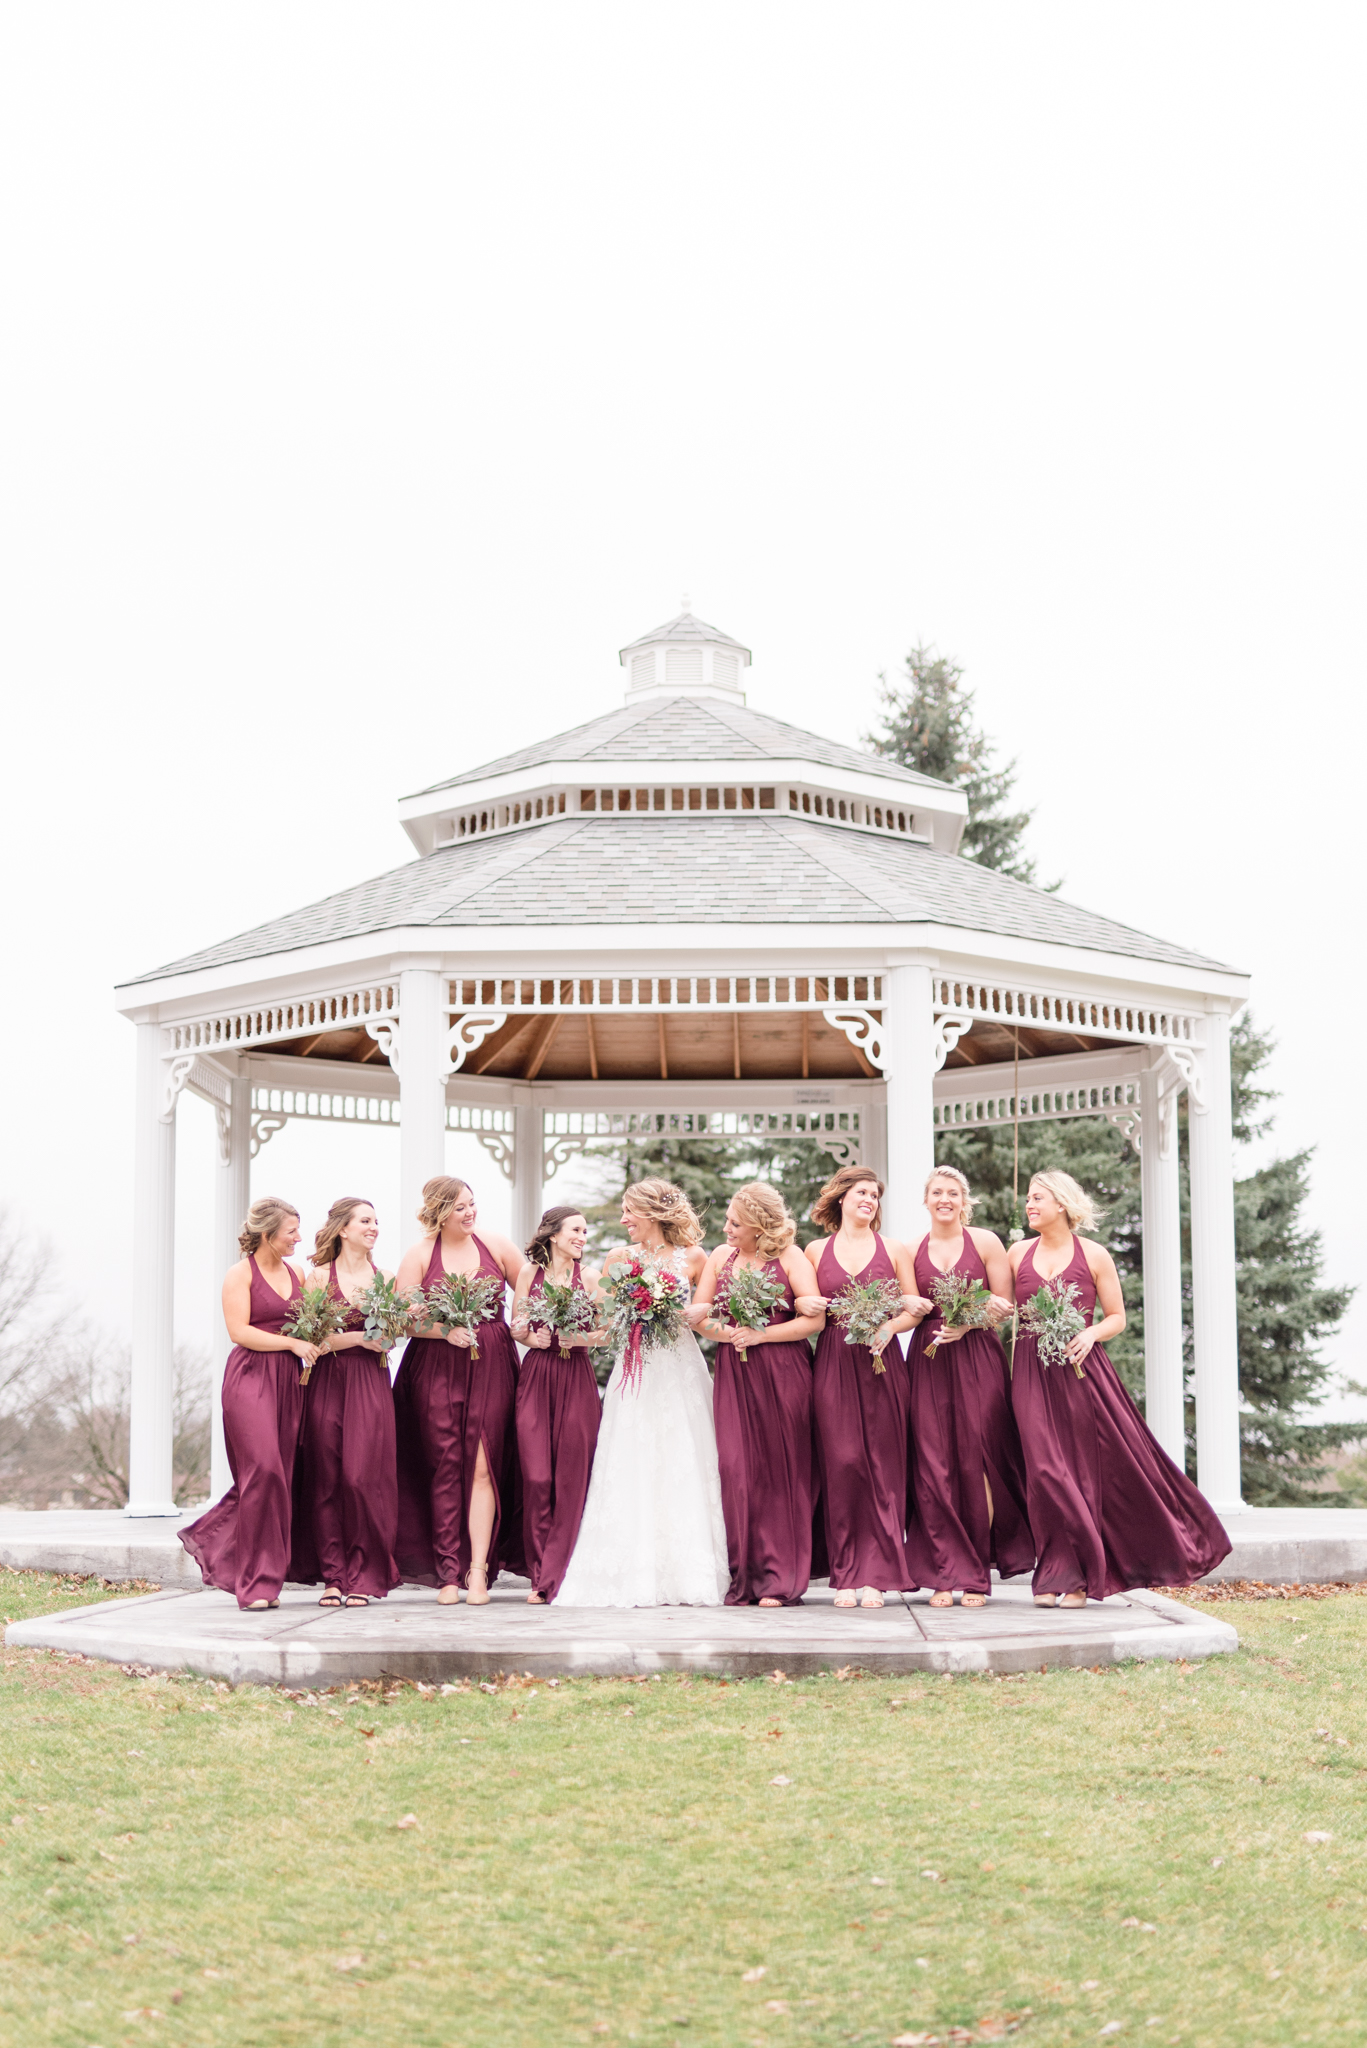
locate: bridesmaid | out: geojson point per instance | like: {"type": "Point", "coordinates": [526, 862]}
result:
{"type": "Point", "coordinates": [347, 1485]}
{"type": "Point", "coordinates": [456, 1443]}
{"type": "Point", "coordinates": [558, 1406]}
{"type": "Point", "coordinates": [1108, 1507]}
{"type": "Point", "coordinates": [967, 1504]}
{"type": "Point", "coordinates": [861, 1415]}
{"type": "Point", "coordinates": [242, 1544]}
{"type": "Point", "coordinates": [763, 1406]}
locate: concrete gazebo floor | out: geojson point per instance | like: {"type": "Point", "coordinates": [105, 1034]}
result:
{"type": "Point", "coordinates": [410, 1636]}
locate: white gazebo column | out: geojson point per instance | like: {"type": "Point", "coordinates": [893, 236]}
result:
{"type": "Point", "coordinates": [1163, 1368]}
{"type": "Point", "coordinates": [528, 1165]}
{"type": "Point", "coordinates": [909, 1065]}
{"type": "Point", "coordinates": [1214, 1299]}
{"type": "Point", "coordinates": [154, 1254]}
{"type": "Point", "coordinates": [232, 1199]}
{"type": "Point", "coordinates": [419, 1051]}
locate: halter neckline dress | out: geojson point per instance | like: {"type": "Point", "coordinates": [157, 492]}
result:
{"type": "Point", "coordinates": [763, 1412]}
{"type": "Point", "coordinates": [446, 1404]}
{"type": "Point", "coordinates": [347, 1490]}
{"type": "Point", "coordinates": [861, 1443]}
{"type": "Point", "coordinates": [242, 1543]}
{"type": "Point", "coordinates": [1108, 1507]}
{"type": "Point", "coordinates": [963, 1443]}
{"type": "Point", "coordinates": [558, 1415]}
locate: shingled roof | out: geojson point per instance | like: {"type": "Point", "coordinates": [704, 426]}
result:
{"type": "Point", "coordinates": [601, 870]}
{"type": "Point", "coordinates": [687, 728]}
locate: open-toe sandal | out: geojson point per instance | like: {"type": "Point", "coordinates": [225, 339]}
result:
{"type": "Point", "coordinates": [331, 1600]}
{"type": "Point", "coordinates": [358, 1600]}
{"type": "Point", "coordinates": [942, 1599]}
{"type": "Point", "coordinates": [870, 1597]}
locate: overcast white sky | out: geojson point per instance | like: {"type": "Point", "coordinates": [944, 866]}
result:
{"type": "Point", "coordinates": [369, 375]}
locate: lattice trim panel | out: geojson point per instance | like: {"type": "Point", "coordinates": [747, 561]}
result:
{"type": "Point", "coordinates": [566, 1131]}
{"type": "Point", "coordinates": [1090, 1016]}
{"type": "Point", "coordinates": [526, 993]}
{"type": "Point", "coordinates": [264, 1023]}
{"type": "Point", "coordinates": [1102, 1098]}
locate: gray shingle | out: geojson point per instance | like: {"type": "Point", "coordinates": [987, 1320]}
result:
{"type": "Point", "coordinates": [607, 870]}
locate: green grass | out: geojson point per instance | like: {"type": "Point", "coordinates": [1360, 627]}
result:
{"type": "Point", "coordinates": [606, 1860]}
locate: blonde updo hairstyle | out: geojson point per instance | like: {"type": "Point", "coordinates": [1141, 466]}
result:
{"type": "Point", "coordinates": [439, 1199]}
{"type": "Point", "coordinates": [1079, 1208]}
{"type": "Point", "coordinates": [264, 1218]}
{"type": "Point", "coordinates": [827, 1212]}
{"type": "Point", "coordinates": [764, 1209]}
{"type": "Point", "coordinates": [960, 1181]}
{"type": "Point", "coordinates": [328, 1243]}
{"type": "Point", "coordinates": [660, 1202]}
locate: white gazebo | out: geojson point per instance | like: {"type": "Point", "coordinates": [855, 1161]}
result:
{"type": "Point", "coordinates": [689, 916]}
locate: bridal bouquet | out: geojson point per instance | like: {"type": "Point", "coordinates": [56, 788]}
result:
{"type": "Point", "coordinates": [750, 1297]}
{"type": "Point", "coordinates": [462, 1301]}
{"type": "Point", "coordinates": [388, 1314]}
{"type": "Point", "coordinates": [862, 1307]}
{"type": "Point", "coordinates": [566, 1310]}
{"type": "Point", "coordinates": [963, 1305]}
{"type": "Point", "coordinates": [1053, 1318]}
{"type": "Point", "coordinates": [647, 1313]}
{"type": "Point", "coordinates": [318, 1315]}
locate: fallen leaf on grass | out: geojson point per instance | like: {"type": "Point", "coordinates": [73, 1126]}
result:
{"type": "Point", "coordinates": [1111, 2027]}
{"type": "Point", "coordinates": [211, 1973]}
{"type": "Point", "coordinates": [913, 2040]}
{"type": "Point", "coordinates": [410, 1820]}
{"type": "Point", "coordinates": [877, 1880]}
{"type": "Point", "coordinates": [753, 1976]}
{"type": "Point", "coordinates": [934, 1875]}
{"type": "Point", "coordinates": [1090, 1984]}
{"type": "Point", "coordinates": [987, 1866]}
{"type": "Point", "coordinates": [144, 2012]}
{"type": "Point", "coordinates": [346, 1963]}
{"type": "Point", "coordinates": [776, 2005]}
{"type": "Point", "coordinates": [1318, 1835]}
{"type": "Point", "coordinates": [780, 1781]}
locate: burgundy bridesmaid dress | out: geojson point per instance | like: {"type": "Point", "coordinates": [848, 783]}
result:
{"type": "Point", "coordinates": [861, 1443]}
{"type": "Point", "coordinates": [558, 1412]}
{"type": "Point", "coordinates": [347, 1490]}
{"type": "Point", "coordinates": [242, 1544]}
{"type": "Point", "coordinates": [446, 1404]}
{"type": "Point", "coordinates": [1108, 1507]}
{"type": "Point", "coordinates": [962, 1433]}
{"type": "Point", "coordinates": [762, 1407]}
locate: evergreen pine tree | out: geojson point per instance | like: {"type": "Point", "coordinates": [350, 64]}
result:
{"type": "Point", "coordinates": [928, 724]}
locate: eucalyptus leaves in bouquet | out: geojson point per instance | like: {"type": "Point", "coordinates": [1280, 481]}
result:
{"type": "Point", "coordinates": [462, 1301]}
{"type": "Point", "coordinates": [318, 1315]}
{"type": "Point", "coordinates": [750, 1297]}
{"type": "Point", "coordinates": [963, 1304]}
{"type": "Point", "coordinates": [388, 1313]}
{"type": "Point", "coordinates": [861, 1307]}
{"type": "Point", "coordinates": [1053, 1317]}
{"type": "Point", "coordinates": [565, 1310]}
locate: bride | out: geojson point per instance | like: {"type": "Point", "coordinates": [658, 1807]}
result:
{"type": "Point", "coordinates": [652, 1533]}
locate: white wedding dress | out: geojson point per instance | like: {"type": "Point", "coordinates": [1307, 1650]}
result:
{"type": "Point", "coordinates": [653, 1533]}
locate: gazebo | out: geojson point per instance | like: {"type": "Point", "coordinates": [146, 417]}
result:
{"type": "Point", "coordinates": [689, 916]}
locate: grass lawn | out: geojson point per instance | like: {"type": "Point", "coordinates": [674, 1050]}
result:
{"type": "Point", "coordinates": [1126, 1854]}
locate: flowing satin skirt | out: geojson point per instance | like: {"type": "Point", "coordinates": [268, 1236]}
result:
{"type": "Point", "coordinates": [558, 1413]}
{"type": "Point", "coordinates": [346, 1519]}
{"type": "Point", "coordinates": [446, 1404]}
{"type": "Point", "coordinates": [242, 1543]}
{"type": "Point", "coordinates": [861, 1445]}
{"type": "Point", "coordinates": [763, 1415]}
{"type": "Point", "coordinates": [1108, 1507]}
{"type": "Point", "coordinates": [962, 1433]}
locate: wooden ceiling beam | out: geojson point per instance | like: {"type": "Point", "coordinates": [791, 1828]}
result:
{"type": "Point", "coordinates": [543, 1045]}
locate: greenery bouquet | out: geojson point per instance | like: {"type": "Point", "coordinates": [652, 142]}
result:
{"type": "Point", "coordinates": [862, 1307]}
{"type": "Point", "coordinates": [647, 1312]}
{"type": "Point", "coordinates": [388, 1314]}
{"type": "Point", "coordinates": [462, 1301]}
{"type": "Point", "coordinates": [1053, 1318]}
{"type": "Point", "coordinates": [567, 1310]}
{"type": "Point", "coordinates": [750, 1297]}
{"type": "Point", "coordinates": [963, 1305]}
{"type": "Point", "coordinates": [318, 1315]}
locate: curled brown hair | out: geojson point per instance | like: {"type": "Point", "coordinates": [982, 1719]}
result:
{"type": "Point", "coordinates": [663, 1203]}
{"type": "Point", "coordinates": [439, 1197]}
{"type": "Point", "coordinates": [328, 1242]}
{"type": "Point", "coordinates": [827, 1212]}
{"type": "Point", "coordinates": [264, 1218]}
{"type": "Point", "coordinates": [766, 1212]}
{"type": "Point", "coordinates": [539, 1250]}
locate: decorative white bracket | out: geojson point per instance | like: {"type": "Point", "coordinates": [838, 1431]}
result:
{"type": "Point", "coordinates": [469, 1035]}
{"type": "Point", "coordinates": [499, 1146]}
{"type": "Point", "coordinates": [1130, 1124]}
{"type": "Point", "coordinates": [265, 1124]}
{"type": "Point", "coordinates": [557, 1152]}
{"type": "Point", "coordinates": [950, 1026]}
{"type": "Point", "coordinates": [844, 1149]}
{"type": "Point", "coordinates": [1177, 1067]}
{"type": "Point", "coordinates": [385, 1032]}
{"type": "Point", "coordinates": [863, 1030]}
{"type": "Point", "coordinates": [177, 1073]}
{"type": "Point", "coordinates": [1188, 1063]}
{"type": "Point", "coordinates": [223, 1119]}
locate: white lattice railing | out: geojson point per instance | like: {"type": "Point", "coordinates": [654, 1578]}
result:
{"type": "Point", "coordinates": [267, 1023]}
{"type": "Point", "coordinates": [327, 1106]}
{"type": "Point", "coordinates": [1044, 1009]}
{"type": "Point", "coordinates": [566, 1131]}
{"type": "Point", "coordinates": [526, 993]}
{"type": "Point", "coordinates": [997, 1106]}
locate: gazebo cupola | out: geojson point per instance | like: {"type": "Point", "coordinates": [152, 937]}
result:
{"type": "Point", "coordinates": [685, 657]}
